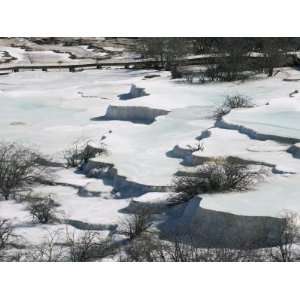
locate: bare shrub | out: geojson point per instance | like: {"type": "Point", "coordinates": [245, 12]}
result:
{"type": "Point", "coordinates": [72, 156]}
{"type": "Point", "coordinates": [149, 248]}
{"type": "Point", "coordinates": [288, 238]}
{"type": "Point", "coordinates": [41, 208]}
{"type": "Point", "coordinates": [220, 112]}
{"type": "Point", "coordinates": [225, 72]}
{"type": "Point", "coordinates": [198, 147]}
{"type": "Point", "coordinates": [238, 101]}
{"type": "Point", "coordinates": [232, 102]}
{"type": "Point", "coordinates": [19, 167]}
{"type": "Point", "coordinates": [145, 248]}
{"type": "Point", "coordinates": [186, 187]}
{"type": "Point", "coordinates": [220, 175]}
{"type": "Point", "coordinates": [88, 246]}
{"type": "Point", "coordinates": [74, 247]}
{"type": "Point", "coordinates": [136, 224]}
{"type": "Point", "coordinates": [80, 153]}
{"type": "Point", "coordinates": [182, 249]}
{"type": "Point", "coordinates": [51, 250]}
{"type": "Point", "coordinates": [6, 233]}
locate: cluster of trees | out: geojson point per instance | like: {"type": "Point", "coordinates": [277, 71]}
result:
{"type": "Point", "coordinates": [230, 58]}
{"type": "Point", "coordinates": [166, 50]}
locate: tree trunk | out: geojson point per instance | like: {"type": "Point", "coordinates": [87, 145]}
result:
{"type": "Point", "coordinates": [175, 73]}
{"type": "Point", "coordinates": [270, 72]}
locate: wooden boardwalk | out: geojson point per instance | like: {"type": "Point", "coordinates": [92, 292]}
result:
{"type": "Point", "coordinates": [135, 64]}
{"type": "Point", "coordinates": [141, 63]}
{"type": "Point", "coordinates": [71, 66]}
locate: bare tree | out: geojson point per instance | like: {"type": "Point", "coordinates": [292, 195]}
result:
{"type": "Point", "coordinates": [19, 167]}
{"type": "Point", "coordinates": [273, 53]}
{"type": "Point", "coordinates": [60, 62]}
{"type": "Point", "coordinates": [168, 50]}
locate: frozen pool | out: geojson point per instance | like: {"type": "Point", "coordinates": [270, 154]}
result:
{"type": "Point", "coordinates": [280, 118]}
{"type": "Point", "coordinates": [46, 109]}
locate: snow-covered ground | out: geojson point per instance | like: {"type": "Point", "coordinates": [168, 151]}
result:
{"type": "Point", "coordinates": [50, 110]}
{"type": "Point", "coordinates": [23, 57]}
{"type": "Point", "coordinates": [35, 54]}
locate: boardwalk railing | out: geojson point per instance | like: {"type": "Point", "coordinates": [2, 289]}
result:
{"type": "Point", "coordinates": [142, 63]}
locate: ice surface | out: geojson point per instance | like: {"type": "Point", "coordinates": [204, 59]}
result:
{"type": "Point", "coordinates": [53, 116]}
{"type": "Point", "coordinates": [271, 198]}
{"type": "Point", "coordinates": [15, 212]}
{"type": "Point", "coordinates": [280, 118]}
{"type": "Point", "coordinates": [240, 145]}
{"type": "Point", "coordinates": [92, 210]}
